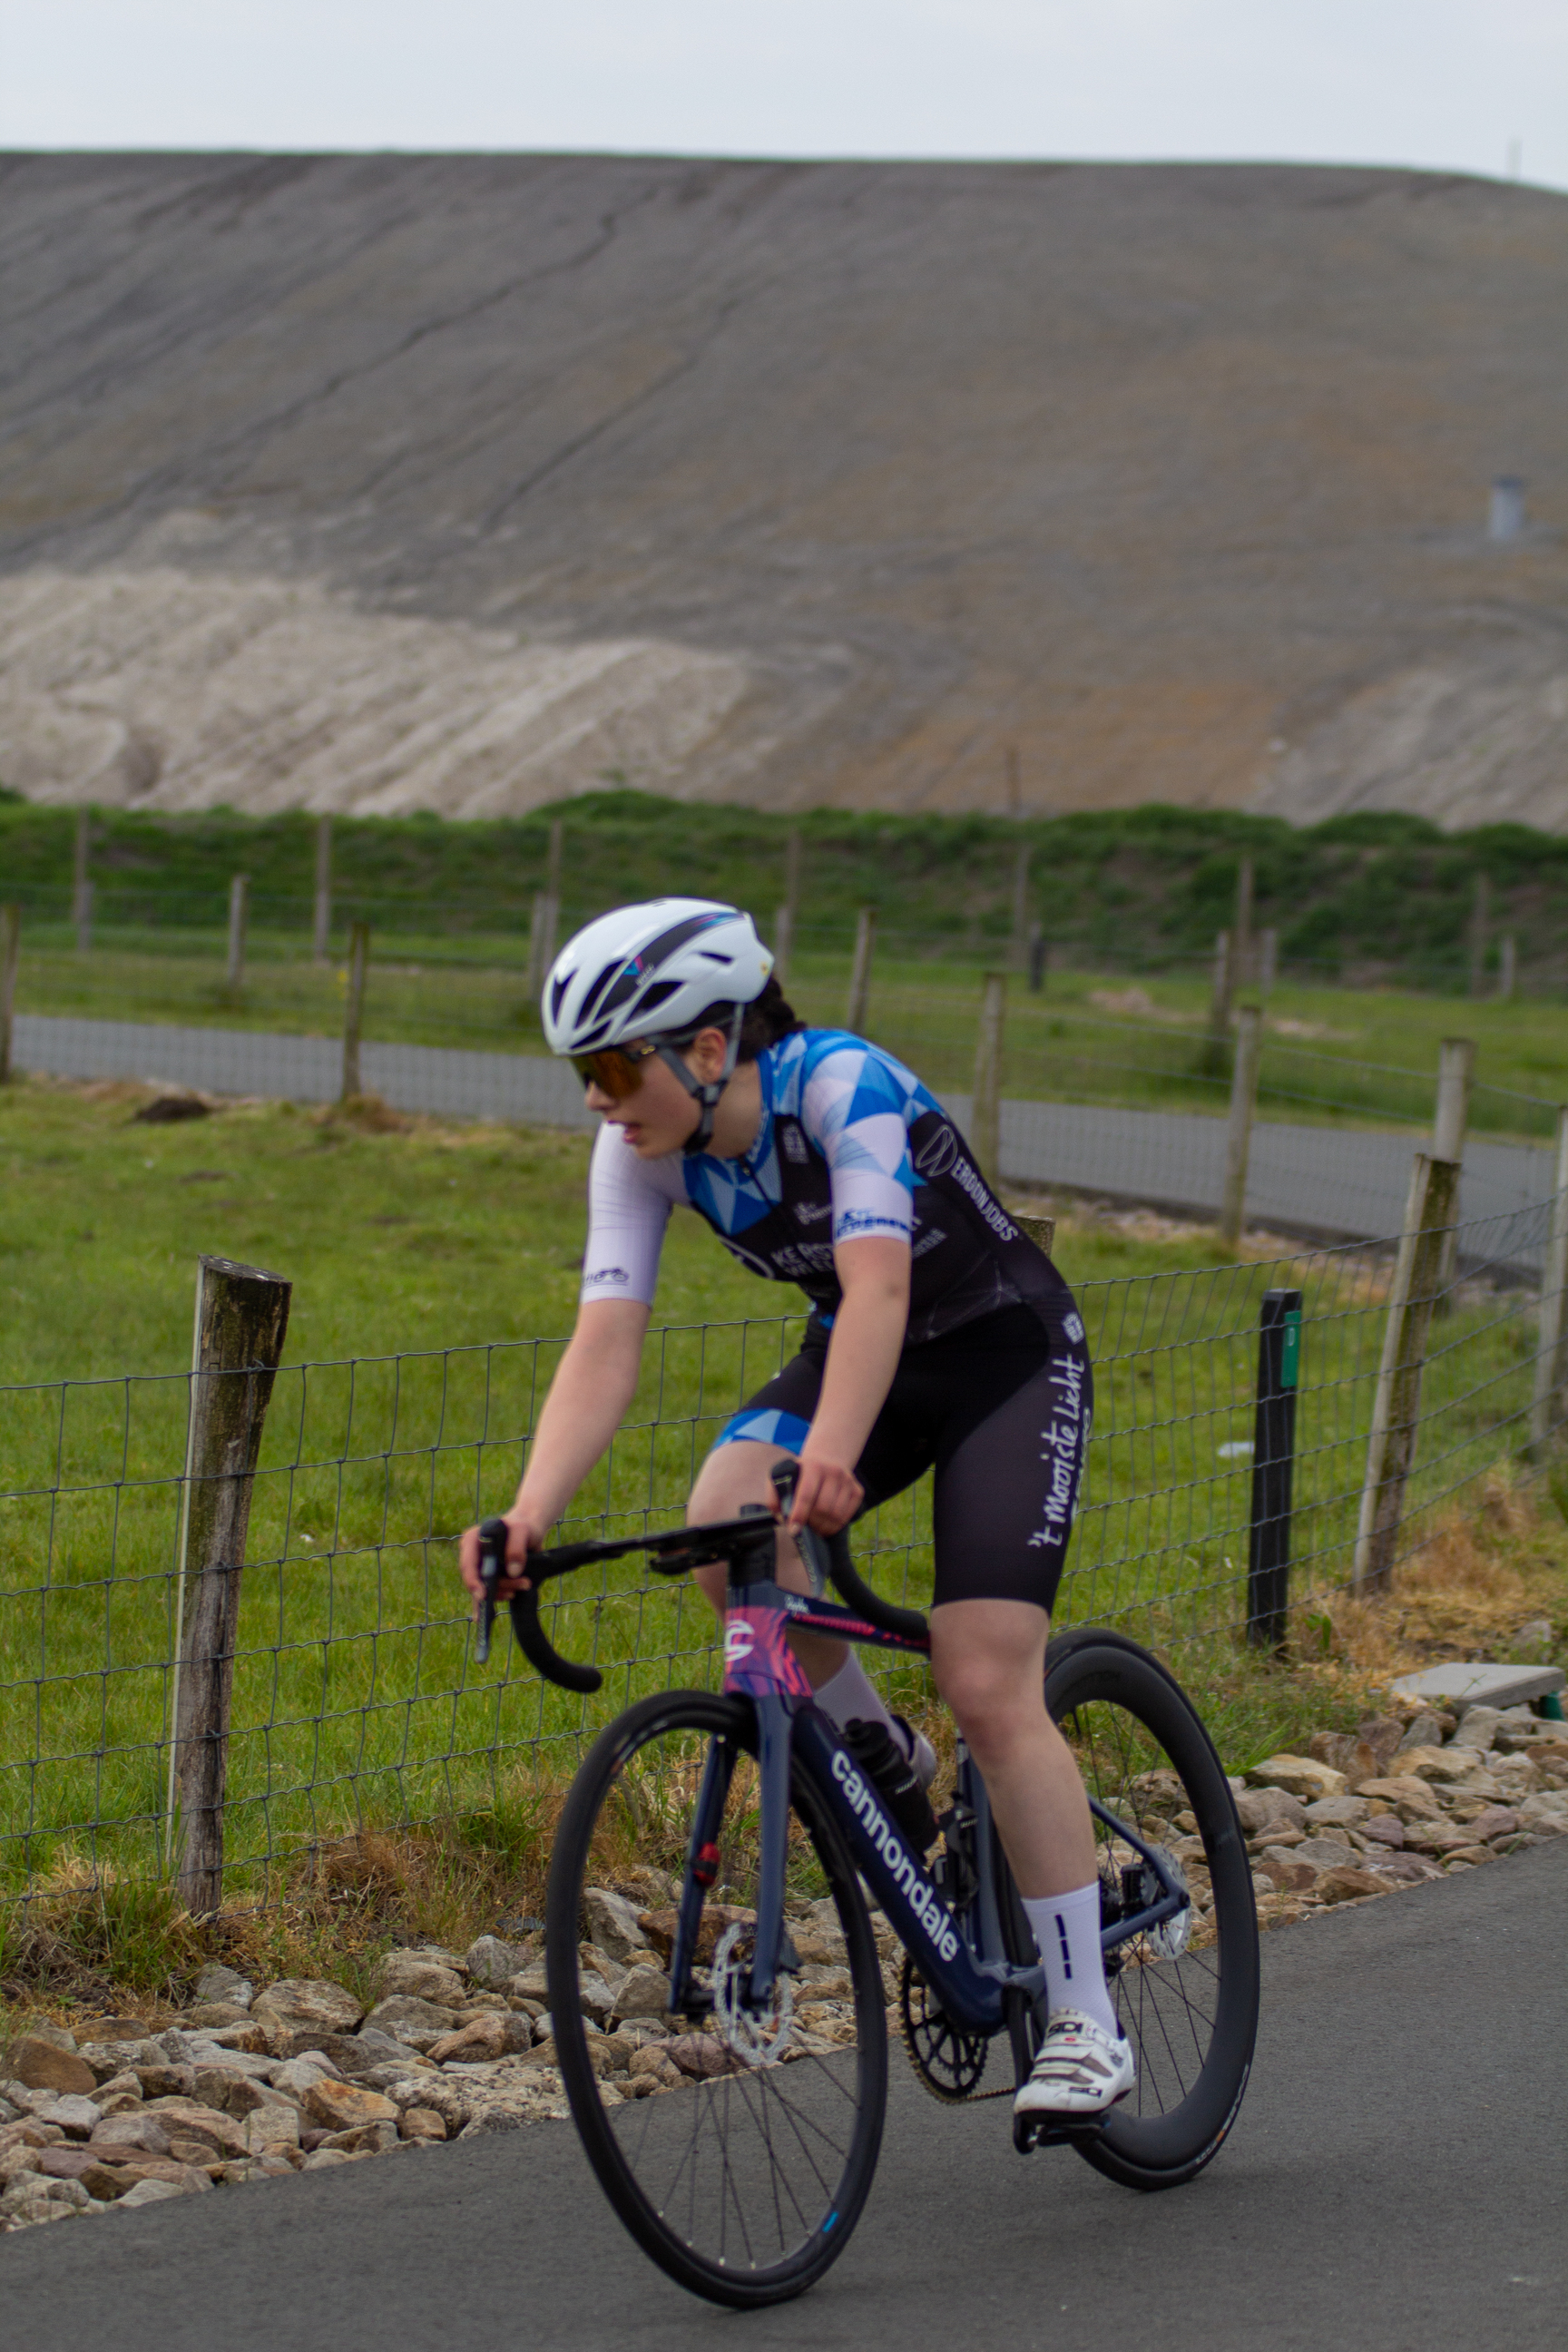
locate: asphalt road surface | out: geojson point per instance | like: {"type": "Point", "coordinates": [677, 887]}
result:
{"type": "Point", "coordinates": [1310, 1179]}
{"type": "Point", "coordinates": [1395, 2182]}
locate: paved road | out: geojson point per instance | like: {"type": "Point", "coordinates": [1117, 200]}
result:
{"type": "Point", "coordinates": [1395, 2184]}
{"type": "Point", "coordinates": [1302, 1179]}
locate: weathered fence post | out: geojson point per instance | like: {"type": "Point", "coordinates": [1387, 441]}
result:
{"type": "Point", "coordinates": [1042, 1231]}
{"type": "Point", "coordinates": [238, 924]}
{"type": "Point", "coordinates": [1242, 942]}
{"type": "Point", "coordinates": [242, 1315]}
{"type": "Point", "coordinates": [81, 882]}
{"type": "Point", "coordinates": [1450, 1117]}
{"type": "Point", "coordinates": [1216, 1046]}
{"type": "Point", "coordinates": [1480, 914]}
{"type": "Point", "coordinates": [354, 1010]}
{"type": "Point", "coordinates": [1021, 907]}
{"type": "Point", "coordinates": [1396, 1419]}
{"type": "Point", "coordinates": [546, 918]}
{"type": "Point", "coordinates": [1507, 966]}
{"type": "Point", "coordinates": [321, 923]}
{"type": "Point", "coordinates": [985, 1126]}
{"type": "Point", "coordinates": [1273, 1468]}
{"type": "Point", "coordinates": [784, 919]}
{"type": "Point", "coordinates": [1238, 1129]}
{"type": "Point", "coordinates": [1551, 1332]}
{"type": "Point", "coordinates": [10, 950]}
{"type": "Point", "coordinates": [861, 971]}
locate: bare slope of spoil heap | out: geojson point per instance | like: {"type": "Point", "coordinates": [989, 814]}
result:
{"type": "Point", "coordinates": [458, 482]}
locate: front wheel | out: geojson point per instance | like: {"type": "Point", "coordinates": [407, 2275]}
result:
{"type": "Point", "coordinates": [1186, 1993]}
{"type": "Point", "coordinates": [740, 2153]}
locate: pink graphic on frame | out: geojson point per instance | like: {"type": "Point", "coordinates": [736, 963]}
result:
{"type": "Point", "coordinates": [758, 1659]}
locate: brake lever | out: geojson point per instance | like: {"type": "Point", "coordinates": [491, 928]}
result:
{"type": "Point", "coordinates": [493, 1537]}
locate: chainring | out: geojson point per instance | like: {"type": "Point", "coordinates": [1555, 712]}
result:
{"type": "Point", "coordinates": [949, 2062]}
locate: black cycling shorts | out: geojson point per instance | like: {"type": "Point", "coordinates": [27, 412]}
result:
{"type": "Point", "coordinates": [1004, 1417]}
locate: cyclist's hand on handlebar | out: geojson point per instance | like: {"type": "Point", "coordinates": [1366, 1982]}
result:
{"type": "Point", "coordinates": [525, 1537]}
{"type": "Point", "coordinates": [826, 1496]}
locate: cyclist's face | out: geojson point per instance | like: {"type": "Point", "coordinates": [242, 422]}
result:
{"type": "Point", "coordinates": [659, 1114]}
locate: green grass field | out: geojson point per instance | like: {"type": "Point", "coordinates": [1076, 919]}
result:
{"type": "Point", "coordinates": [442, 1262]}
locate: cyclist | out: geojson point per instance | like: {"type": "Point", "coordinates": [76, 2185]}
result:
{"type": "Point", "coordinates": [939, 1336]}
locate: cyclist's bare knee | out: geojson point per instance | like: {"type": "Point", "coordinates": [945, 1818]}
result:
{"type": "Point", "coordinates": [732, 1475]}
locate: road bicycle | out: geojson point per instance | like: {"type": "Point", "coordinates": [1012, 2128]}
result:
{"type": "Point", "coordinates": [745, 2185]}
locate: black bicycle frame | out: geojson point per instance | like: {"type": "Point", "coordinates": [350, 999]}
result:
{"type": "Point", "coordinates": [961, 1957]}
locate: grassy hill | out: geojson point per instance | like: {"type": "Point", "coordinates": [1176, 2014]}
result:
{"type": "Point", "coordinates": [1359, 897]}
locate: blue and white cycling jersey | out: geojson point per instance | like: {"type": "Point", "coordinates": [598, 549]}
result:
{"type": "Point", "coordinates": [850, 1145]}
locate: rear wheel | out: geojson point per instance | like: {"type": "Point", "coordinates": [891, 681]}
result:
{"type": "Point", "coordinates": [740, 2154]}
{"type": "Point", "coordinates": [1186, 1993]}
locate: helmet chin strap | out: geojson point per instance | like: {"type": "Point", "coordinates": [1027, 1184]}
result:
{"type": "Point", "coordinates": [706, 1092]}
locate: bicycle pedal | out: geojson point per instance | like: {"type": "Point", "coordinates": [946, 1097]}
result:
{"type": "Point", "coordinates": [1030, 2132]}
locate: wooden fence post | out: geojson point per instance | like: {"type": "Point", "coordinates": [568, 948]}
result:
{"type": "Point", "coordinates": [10, 950]}
{"type": "Point", "coordinates": [354, 1010]}
{"type": "Point", "coordinates": [1551, 1332]}
{"type": "Point", "coordinates": [1450, 1117]}
{"type": "Point", "coordinates": [238, 924]}
{"type": "Point", "coordinates": [322, 924]}
{"type": "Point", "coordinates": [1042, 1231]}
{"type": "Point", "coordinates": [1395, 1420]}
{"type": "Point", "coordinates": [986, 1123]}
{"type": "Point", "coordinates": [1238, 1129]}
{"type": "Point", "coordinates": [242, 1315]}
{"type": "Point", "coordinates": [81, 882]}
{"type": "Point", "coordinates": [784, 919]}
{"type": "Point", "coordinates": [1217, 1044]}
{"type": "Point", "coordinates": [861, 971]}
{"type": "Point", "coordinates": [1242, 942]}
{"type": "Point", "coordinates": [1021, 907]}
{"type": "Point", "coordinates": [1507, 966]}
{"type": "Point", "coordinates": [1480, 920]}
{"type": "Point", "coordinates": [546, 918]}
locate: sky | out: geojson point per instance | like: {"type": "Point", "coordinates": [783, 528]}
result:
{"type": "Point", "coordinates": [1449, 85]}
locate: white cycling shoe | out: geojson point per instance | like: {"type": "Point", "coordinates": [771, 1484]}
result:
{"type": "Point", "coordinates": [1082, 2070]}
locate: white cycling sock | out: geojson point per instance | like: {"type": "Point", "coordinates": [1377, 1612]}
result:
{"type": "Point", "coordinates": [1067, 1929]}
{"type": "Point", "coordinates": [851, 1697]}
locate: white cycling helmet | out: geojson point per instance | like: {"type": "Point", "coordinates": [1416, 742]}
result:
{"type": "Point", "coordinates": [651, 972]}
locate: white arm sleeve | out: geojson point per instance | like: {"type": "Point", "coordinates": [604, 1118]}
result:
{"type": "Point", "coordinates": [629, 1202]}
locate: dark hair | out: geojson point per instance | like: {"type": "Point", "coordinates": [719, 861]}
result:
{"type": "Point", "coordinates": [768, 1018]}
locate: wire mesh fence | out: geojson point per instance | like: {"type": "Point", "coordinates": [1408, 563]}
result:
{"type": "Point", "coordinates": [355, 1696]}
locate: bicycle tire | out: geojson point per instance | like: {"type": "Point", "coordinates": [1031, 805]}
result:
{"type": "Point", "coordinates": [1193, 2018]}
{"type": "Point", "coordinates": [787, 2151]}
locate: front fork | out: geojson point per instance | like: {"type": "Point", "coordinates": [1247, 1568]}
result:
{"type": "Point", "coordinates": [703, 1856]}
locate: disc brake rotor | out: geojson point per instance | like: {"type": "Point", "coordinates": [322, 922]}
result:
{"type": "Point", "coordinates": [758, 2037]}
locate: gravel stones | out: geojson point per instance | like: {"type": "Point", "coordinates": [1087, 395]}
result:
{"type": "Point", "coordinates": [1260, 1808]}
{"type": "Point", "coordinates": [644, 1993]}
{"type": "Point", "coordinates": [38, 2061]}
{"type": "Point", "coordinates": [419, 1977]}
{"type": "Point", "coordinates": [294, 2002]}
{"type": "Point", "coordinates": [421, 2123]}
{"type": "Point", "coordinates": [1299, 1776]}
{"type": "Point", "coordinates": [408, 2018]}
{"type": "Point", "coordinates": [497, 2034]}
{"type": "Point", "coordinates": [491, 1960]}
{"type": "Point", "coordinates": [220, 1984]}
{"type": "Point", "coordinates": [614, 1924]}
{"type": "Point", "coordinates": [343, 2106]}
{"type": "Point", "coordinates": [1384, 1829]}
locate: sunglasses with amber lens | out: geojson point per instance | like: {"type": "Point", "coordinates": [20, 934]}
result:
{"type": "Point", "coordinates": [617, 1071]}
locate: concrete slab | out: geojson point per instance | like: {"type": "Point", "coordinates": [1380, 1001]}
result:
{"type": "Point", "coordinates": [1462, 1684]}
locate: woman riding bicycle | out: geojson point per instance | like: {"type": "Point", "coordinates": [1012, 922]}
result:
{"type": "Point", "coordinates": [940, 1336]}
